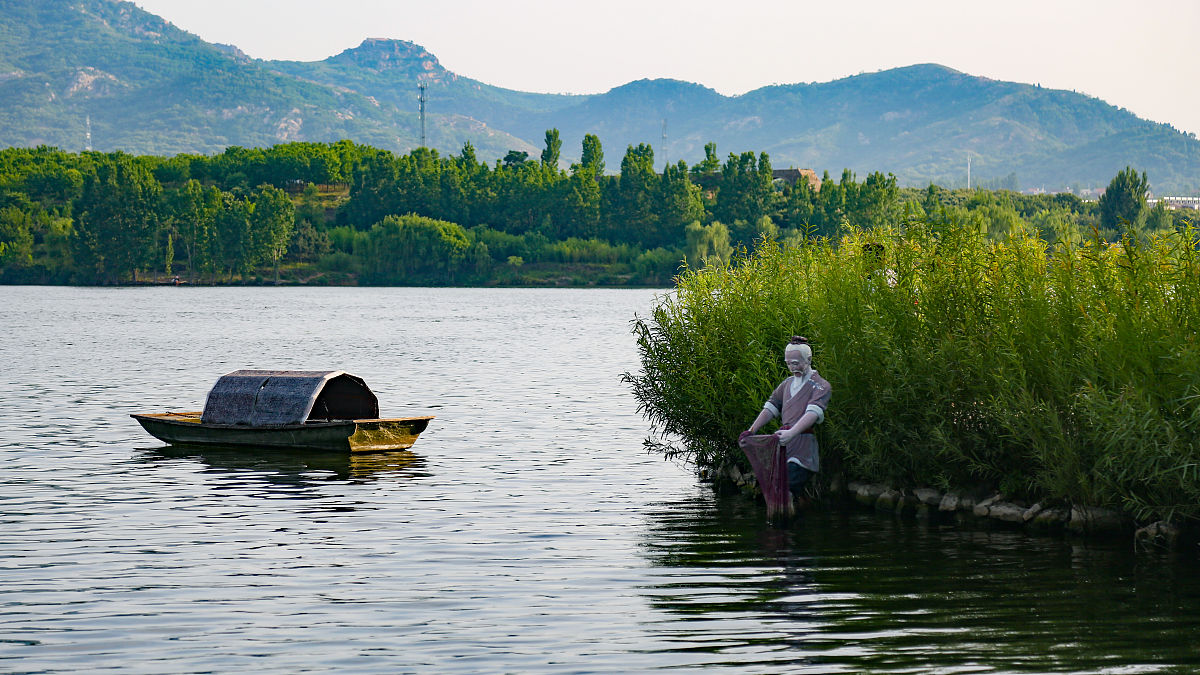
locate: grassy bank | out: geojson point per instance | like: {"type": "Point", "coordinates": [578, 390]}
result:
{"type": "Point", "coordinates": [1066, 371]}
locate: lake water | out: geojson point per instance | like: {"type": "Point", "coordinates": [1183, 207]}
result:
{"type": "Point", "coordinates": [526, 532]}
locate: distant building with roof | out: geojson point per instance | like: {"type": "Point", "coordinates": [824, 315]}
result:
{"type": "Point", "coordinates": [793, 176]}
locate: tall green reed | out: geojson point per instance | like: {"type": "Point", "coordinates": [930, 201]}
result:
{"type": "Point", "coordinates": [1068, 371]}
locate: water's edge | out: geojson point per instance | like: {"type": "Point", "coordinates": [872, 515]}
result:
{"type": "Point", "coordinates": [978, 507]}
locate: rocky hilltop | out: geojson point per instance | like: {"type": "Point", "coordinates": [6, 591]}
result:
{"type": "Point", "coordinates": [148, 87]}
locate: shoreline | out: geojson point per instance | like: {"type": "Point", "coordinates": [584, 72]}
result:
{"type": "Point", "coordinates": [980, 508]}
{"type": "Point", "coordinates": [249, 284]}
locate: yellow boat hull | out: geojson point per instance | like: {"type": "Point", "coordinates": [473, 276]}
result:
{"type": "Point", "coordinates": [366, 435]}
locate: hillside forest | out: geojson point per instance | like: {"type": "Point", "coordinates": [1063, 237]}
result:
{"type": "Point", "coordinates": [343, 213]}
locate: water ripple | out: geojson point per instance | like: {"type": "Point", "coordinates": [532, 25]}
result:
{"type": "Point", "coordinates": [527, 531]}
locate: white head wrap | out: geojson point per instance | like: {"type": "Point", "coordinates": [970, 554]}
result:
{"type": "Point", "coordinates": [801, 349]}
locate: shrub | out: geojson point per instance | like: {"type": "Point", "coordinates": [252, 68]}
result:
{"type": "Point", "coordinates": [1068, 370]}
{"type": "Point", "coordinates": [414, 249]}
{"type": "Point", "coordinates": [338, 261]}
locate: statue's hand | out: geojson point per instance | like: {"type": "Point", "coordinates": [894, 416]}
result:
{"type": "Point", "coordinates": [785, 434]}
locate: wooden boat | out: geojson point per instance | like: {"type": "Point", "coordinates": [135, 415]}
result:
{"type": "Point", "coordinates": [319, 410]}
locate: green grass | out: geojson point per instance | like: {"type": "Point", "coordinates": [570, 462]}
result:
{"type": "Point", "coordinates": [1068, 371]}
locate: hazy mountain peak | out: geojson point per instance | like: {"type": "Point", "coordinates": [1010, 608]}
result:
{"type": "Point", "coordinates": [928, 69]}
{"type": "Point", "coordinates": [141, 84]}
{"type": "Point", "coordinates": [382, 54]}
{"type": "Point", "coordinates": [237, 54]}
{"type": "Point", "coordinates": [125, 19]}
{"type": "Point", "coordinates": [661, 85]}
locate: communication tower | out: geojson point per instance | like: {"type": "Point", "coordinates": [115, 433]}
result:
{"type": "Point", "coordinates": [666, 157]}
{"type": "Point", "coordinates": [421, 99]}
{"type": "Point", "coordinates": [87, 134]}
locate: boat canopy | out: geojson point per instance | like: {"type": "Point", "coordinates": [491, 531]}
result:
{"type": "Point", "coordinates": [260, 398]}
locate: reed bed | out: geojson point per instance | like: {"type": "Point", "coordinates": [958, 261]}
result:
{"type": "Point", "coordinates": [1067, 371]}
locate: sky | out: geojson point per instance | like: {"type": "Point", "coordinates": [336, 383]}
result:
{"type": "Point", "coordinates": [1140, 56]}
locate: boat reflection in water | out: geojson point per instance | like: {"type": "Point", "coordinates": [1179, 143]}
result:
{"type": "Point", "coordinates": [292, 470]}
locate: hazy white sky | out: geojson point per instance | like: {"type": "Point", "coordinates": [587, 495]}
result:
{"type": "Point", "coordinates": [1137, 55]}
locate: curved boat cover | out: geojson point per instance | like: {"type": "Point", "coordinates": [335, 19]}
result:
{"type": "Point", "coordinates": [278, 397]}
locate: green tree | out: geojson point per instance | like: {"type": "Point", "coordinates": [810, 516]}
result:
{"type": "Point", "coordinates": [193, 209]}
{"type": "Point", "coordinates": [552, 150]}
{"type": "Point", "coordinates": [592, 158]}
{"type": "Point", "coordinates": [747, 192]}
{"type": "Point", "coordinates": [118, 219]}
{"type": "Point", "coordinates": [309, 206]}
{"type": "Point", "coordinates": [16, 238]}
{"type": "Point", "coordinates": [234, 240]}
{"type": "Point", "coordinates": [931, 200]}
{"type": "Point", "coordinates": [467, 157]}
{"type": "Point", "coordinates": [799, 204]}
{"type": "Point", "coordinates": [1056, 225]}
{"type": "Point", "coordinates": [637, 192]}
{"type": "Point", "coordinates": [1123, 203]}
{"type": "Point", "coordinates": [415, 249]}
{"type": "Point", "coordinates": [680, 203]}
{"type": "Point", "coordinates": [581, 196]}
{"type": "Point", "coordinates": [54, 250]}
{"type": "Point", "coordinates": [522, 197]}
{"type": "Point", "coordinates": [582, 201]}
{"type": "Point", "coordinates": [175, 170]}
{"type": "Point", "coordinates": [374, 190]}
{"type": "Point", "coordinates": [706, 242]}
{"type": "Point", "coordinates": [877, 201]}
{"type": "Point", "coordinates": [515, 158]}
{"type": "Point", "coordinates": [831, 207]}
{"type": "Point", "coordinates": [711, 163]}
{"type": "Point", "coordinates": [308, 243]}
{"type": "Point", "coordinates": [1158, 218]}
{"type": "Point", "coordinates": [54, 184]}
{"type": "Point", "coordinates": [1001, 220]}
{"type": "Point", "coordinates": [274, 220]}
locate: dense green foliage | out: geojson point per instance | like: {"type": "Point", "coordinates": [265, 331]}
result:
{"type": "Point", "coordinates": [149, 87]}
{"type": "Point", "coordinates": [345, 213]}
{"type": "Point", "coordinates": [1124, 202]}
{"type": "Point", "coordinates": [1062, 369]}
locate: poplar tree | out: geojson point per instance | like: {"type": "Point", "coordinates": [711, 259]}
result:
{"type": "Point", "coordinates": [592, 158]}
{"type": "Point", "coordinates": [638, 191]}
{"type": "Point", "coordinates": [274, 219]}
{"type": "Point", "coordinates": [553, 147]}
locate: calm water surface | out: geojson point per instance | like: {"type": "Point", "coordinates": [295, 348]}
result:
{"type": "Point", "coordinates": [527, 531]}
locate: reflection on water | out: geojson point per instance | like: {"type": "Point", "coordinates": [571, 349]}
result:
{"type": "Point", "coordinates": [297, 468]}
{"type": "Point", "coordinates": [848, 591]}
{"type": "Point", "coordinates": [527, 532]}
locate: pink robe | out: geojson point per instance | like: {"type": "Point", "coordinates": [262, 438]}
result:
{"type": "Point", "coordinates": [815, 392]}
{"type": "Point", "coordinates": [769, 460]}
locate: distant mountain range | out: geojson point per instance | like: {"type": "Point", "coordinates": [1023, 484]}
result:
{"type": "Point", "coordinates": [150, 88]}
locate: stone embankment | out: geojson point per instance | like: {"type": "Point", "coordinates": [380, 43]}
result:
{"type": "Point", "coordinates": [982, 507]}
{"type": "Point", "coordinates": [929, 503]}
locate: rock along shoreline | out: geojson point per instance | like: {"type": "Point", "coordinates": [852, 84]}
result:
{"type": "Point", "coordinates": [987, 508]}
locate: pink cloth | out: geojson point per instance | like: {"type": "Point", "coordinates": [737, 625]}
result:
{"type": "Point", "coordinates": [769, 462]}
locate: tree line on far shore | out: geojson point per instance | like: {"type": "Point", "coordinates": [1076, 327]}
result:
{"type": "Point", "coordinates": [345, 213]}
